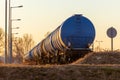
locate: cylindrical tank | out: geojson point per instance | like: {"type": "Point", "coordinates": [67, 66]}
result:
{"type": "Point", "coordinates": [77, 32]}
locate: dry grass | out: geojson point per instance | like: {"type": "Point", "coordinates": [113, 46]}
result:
{"type": "Point", "coordinates": [94, 66]}
{"type": "Point", "coordinates": [100, 58]}
{"type": "Point", "coordinates": [60, 72]}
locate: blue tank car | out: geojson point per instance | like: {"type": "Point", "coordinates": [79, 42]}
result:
{"type": "Point", "coordinates": [76, 33]}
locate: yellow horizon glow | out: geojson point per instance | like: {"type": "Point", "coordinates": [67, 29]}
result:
{"type": "Point", "coordinates": [40, 16]}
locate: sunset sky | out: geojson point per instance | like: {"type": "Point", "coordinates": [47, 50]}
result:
{"type": "Point", "coordinates": [40, 16]}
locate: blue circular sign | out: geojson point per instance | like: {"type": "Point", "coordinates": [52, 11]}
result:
{"type": "Point", "coordinates": [111, 32]}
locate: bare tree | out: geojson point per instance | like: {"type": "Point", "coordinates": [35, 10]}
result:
{"type": "Point", "coordinates": [27, 42]}
{"type": "Point", "coordinates": [22, 46]}
{"type": "Point", "coordinates": [18, 49]}
{"type": "Point", "coordinates": [47, 34]}
{"type": "Point", "coordinates": [1, 39]}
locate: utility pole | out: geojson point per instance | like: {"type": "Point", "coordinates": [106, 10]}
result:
{"type": "Point", "coordinates": [10, 35]}
{"type": "Point", "coordinates": [99, 43]}
{"type": "Point", "coordinates": [10, 31]}
{"type": "Point", "coordinates": [5, 59]}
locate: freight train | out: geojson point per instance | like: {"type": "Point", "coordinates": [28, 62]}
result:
{"type": "Point", "coordinates": [68, 42]}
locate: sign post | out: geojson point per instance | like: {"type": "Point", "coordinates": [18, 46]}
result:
{"type": "Point", "coordinates": [111, 33]}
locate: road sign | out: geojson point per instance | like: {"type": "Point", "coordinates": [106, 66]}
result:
{"type": "Point", "coordinates": [111, 32]}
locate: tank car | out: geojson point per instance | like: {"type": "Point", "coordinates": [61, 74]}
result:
{"type": "Point", "coordinates": [66, 43]}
